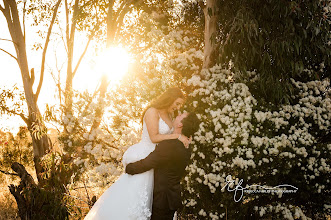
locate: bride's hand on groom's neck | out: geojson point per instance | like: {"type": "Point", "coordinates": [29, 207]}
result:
{"type": "Point", "coordinates": [185, 140]}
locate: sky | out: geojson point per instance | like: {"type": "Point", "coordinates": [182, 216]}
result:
{"type": "Point", "coordinates": [87, 77]}
{"type": "Point", "coordinates": [9, 73]}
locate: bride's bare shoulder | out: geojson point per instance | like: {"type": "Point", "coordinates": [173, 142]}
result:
{"type": "Point", "coordinates": [152, 112]}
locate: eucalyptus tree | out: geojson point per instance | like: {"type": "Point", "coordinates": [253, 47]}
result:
{"type": "Point", "coordinates": [16, 27]}
{"type": "Point", "coordinates": [278, 39]}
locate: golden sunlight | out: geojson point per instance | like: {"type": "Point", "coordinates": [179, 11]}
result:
{"type": "Point", "coordinates": [113, 63]}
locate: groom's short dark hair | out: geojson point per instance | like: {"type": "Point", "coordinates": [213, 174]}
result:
{"type": "Point", "coordinates": [190, 124]}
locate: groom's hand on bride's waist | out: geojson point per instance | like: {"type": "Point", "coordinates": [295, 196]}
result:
{"type": "Point", "coordinates": [137, 167]}
{"type": "Point", "coordinates": [128, 170]}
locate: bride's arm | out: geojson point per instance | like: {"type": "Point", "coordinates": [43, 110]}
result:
{"type": "Point", "coordinates": [152, 123]}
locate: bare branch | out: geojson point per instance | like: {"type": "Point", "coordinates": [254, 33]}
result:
{"type": "Point", "coordinates": [109, 145]}
{"type": "Point", "coordinates": [58, 80]}
{"type": "Point", "coordinates": [87, 195]}
{"type": "Point", "coordinates": [81, 187]}
{"type": "Point", "coordinates": [75, 197]}
{"type": "Point", "coordinates": [67, 21]}
{"type": "Point", "coordinates": [42, 70]}
{"type": "Point", "coordinates": [8, 40]}
{"type": "Point", "coordinates": [14, 174]}
{"type": "Point", "coordinates": [6, 13]}
{"type": "Point", "coordinates": [81, 57]}
{"type": "Point", "coordinates": [62, 39]}
{"type": "Point", "coordinates": [25, 119]}
{"type": "Point", "coordinates": [97, 26]}
{"type": "Point", "coordinates": [2, 9]}
{"type": "Point", "coordinates": [9, 54]}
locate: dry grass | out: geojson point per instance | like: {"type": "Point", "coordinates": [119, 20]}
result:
{"type": "Point", "coordinates": [80, 198]}
{"type": "Point", "coordinates": [8, 207]}
{"type": "Point", "coordinates": [80, 207]}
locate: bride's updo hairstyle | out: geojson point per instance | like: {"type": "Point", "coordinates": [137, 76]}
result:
{"type": "Point", "coordinates": [165, 100]}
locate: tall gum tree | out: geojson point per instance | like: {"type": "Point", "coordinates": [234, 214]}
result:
{"type": "Point", "coordinates": [41, 142]}
{"type": "Point", "coordinates": [211, 14]}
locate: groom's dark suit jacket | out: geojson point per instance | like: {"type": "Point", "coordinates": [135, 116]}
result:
{"type": "Point", "coordinates": [168, 160]}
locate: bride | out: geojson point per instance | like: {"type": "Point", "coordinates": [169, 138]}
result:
{"type": "Point", "coordinates": [130, 197]}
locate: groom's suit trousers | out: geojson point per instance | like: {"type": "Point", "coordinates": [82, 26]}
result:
{"type": "Point", "coordinates": [162, 214]}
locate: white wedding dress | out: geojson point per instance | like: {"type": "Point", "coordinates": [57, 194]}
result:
{"type": "Point", "coordinates": [130, 197]}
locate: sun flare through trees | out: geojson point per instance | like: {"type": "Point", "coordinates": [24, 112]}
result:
{"type": "Point", "coordinates": [256, 72]}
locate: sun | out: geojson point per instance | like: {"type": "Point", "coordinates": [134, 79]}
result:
{"type": "Point", "coordinates": [114, 63]}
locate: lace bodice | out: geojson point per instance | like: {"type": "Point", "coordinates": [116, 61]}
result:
{"type": "Point", "coordinates": [163, 129]}
{"type": "Point", "coordinates": [145, 146]}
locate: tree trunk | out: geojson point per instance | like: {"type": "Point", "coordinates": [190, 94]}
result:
{"type": "Point", "coordinates": [41, 142]}
{"type": "Point", "coordinates": [70, 74]}
{"type": "Point", "coordinates": [16, 191]}
{"type": "Point", "coordinates": [110, 24]}
{"type": "Point", "coordinates": [100, 109]}
{"type": "Point", "coordinates": [210, 12]}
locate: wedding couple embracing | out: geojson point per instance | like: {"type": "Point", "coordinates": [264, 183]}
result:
{"type": "Point", "coordinates": [150, 187]}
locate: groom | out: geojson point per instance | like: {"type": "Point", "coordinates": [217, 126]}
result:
{"type": "Point", "coordinates": [168, 160]}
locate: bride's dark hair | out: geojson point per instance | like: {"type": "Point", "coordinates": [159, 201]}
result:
{"type": "Point", "coordinates": [165, 100]}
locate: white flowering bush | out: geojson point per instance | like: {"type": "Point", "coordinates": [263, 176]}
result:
{"type": "Point", "coordinates": [104, 148]}
{"type": "Point", "coordinates": [93, 154]}
{"type": "Point", "coordinates": [243, 142]}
